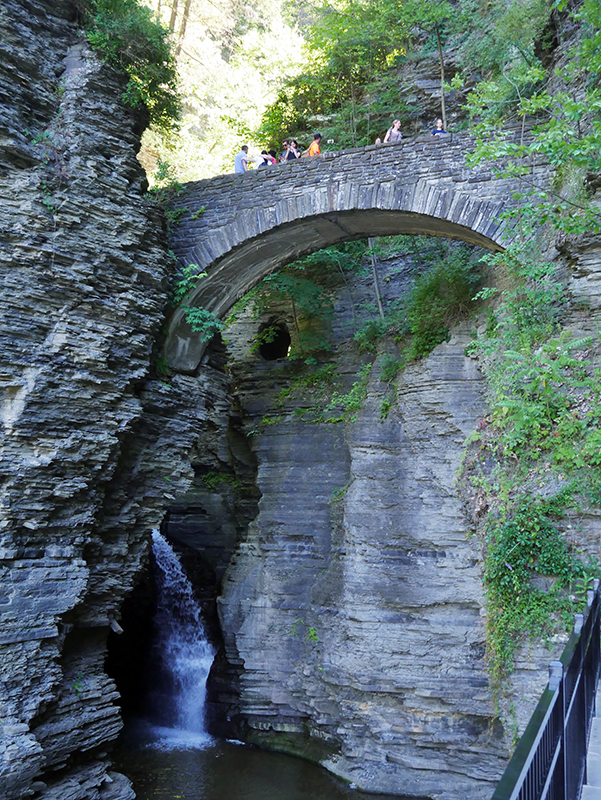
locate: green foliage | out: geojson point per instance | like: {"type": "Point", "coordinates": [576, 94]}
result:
{"type": "Point", "coordinates": [385, 408]}
{"type": "Point", "coordinates": [348, 44]}
{"type": "Point", "coordinates": [213, 480]}
{"type": "Point", "coordinates": [186, 281]}
{"type": "Point", "coordinates": [370, 333]}
{"type": "Point", "coordinates": [203, 322]}
{"type": "Point", "coordinates": [330, 401]}
{"type": "Point", "coordinates": [522, 547]}
{"type": "Point", "coordinates": [199, 319]}
{"type": "Point", "coordinates": [542, 429]}
{"type": "Point", "coordinates": [311, 632]}
{"type": "Point", "coordinates": [567, 132]}
{"type": "Point", "coordinates": [318, 383]}
{"type": "Point", "coordinates": [304, 287]}
{"type": "Point", "coordinates": [389, 368]}
{"type": "Point", "coordinates": [79, 684]}
{"type": "Point", "coordinates": [354, 47]}
{"type": "Point", "coordinates": [164, 190]}
{"type": "Point", "coordinates": [343, 406]}
{"type": "Point", "coordinates": [266, 336]}
{"type": "Point", "coordinates": [162, 367]}
{"type": "Point", "coordinates": [439, 298]}
{"type": "Point", "coordinates": [499, 41]}
{"type": "Point", "coordinates": [128, 37]}
{"type": "Point", "coordinates": [339, 493]}
{"type": "Point", "coordinates": [533, 409]}
{"type": "Point", "coordinates": [543, 390]}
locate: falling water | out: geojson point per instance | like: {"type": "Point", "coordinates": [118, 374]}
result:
{"type": "Point", "coordinates": [174, 756]}
{"type": "Point", "coordinates": [183, 654]}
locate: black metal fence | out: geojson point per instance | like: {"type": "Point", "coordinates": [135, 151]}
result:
{"type": "Point", "coordinates": [549, 762]}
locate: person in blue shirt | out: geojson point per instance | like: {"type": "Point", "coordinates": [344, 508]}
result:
{"type": "Point", "coordinates": [241, 160]}
{"type": "Point", "coordinates": [439, 128]}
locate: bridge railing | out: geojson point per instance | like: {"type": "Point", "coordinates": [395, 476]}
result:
{"type": "Point", "coordinates": [549, 762]}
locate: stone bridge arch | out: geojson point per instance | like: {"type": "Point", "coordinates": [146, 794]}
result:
{"type": "Point", "coordinates": [255, 223]}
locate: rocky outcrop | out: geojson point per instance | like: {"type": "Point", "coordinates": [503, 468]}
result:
{"type": "Point", "coordinates": [354, 601]}
{"type": "Point", "coordinates": [83, 265]}
{"type": "Point", "coordinates": [351, 607]}
{"type": "Point", "coordinates": [352, 610]}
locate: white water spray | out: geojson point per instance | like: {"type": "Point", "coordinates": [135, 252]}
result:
{"type": "Point", "coordinates": [183, 651]}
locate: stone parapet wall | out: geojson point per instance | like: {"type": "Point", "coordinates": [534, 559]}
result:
{"type": "Point", "coordinates": [256, 222]}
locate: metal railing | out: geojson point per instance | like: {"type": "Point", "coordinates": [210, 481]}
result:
{"type": "Point", "coordinates": [549, 762]}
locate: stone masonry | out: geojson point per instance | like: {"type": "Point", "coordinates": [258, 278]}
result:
{"type": "Point", "coordinates": [256, 222]}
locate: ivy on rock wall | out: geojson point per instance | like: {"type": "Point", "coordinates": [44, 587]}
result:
{"type": "Point", "coordinates": [533, 469]}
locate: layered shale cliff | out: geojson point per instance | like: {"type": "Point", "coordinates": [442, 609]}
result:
{"type": "Point", "coordinates": [83, 266]}
{"type": "Point", "coordinates": [350, 597]}
{"type": "Point", "coordinates": [352, 608]}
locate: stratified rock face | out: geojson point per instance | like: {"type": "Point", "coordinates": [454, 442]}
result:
{"type": "Point", "coordinates": [83, 271]}
{"type": "Point", "coordinates": [353, 605]}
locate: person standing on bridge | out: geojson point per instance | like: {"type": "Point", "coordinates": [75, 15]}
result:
{"type": "Point", "coordinates": [241, 160]}
{"type": "Point", "coordinates": [439, 127]}
{"type": "Point", "coordinates": [286, 154]}
{"type": "Point", "coordinates": [394, 134]}
{"type": "Point", "coordinates": [314, 148]}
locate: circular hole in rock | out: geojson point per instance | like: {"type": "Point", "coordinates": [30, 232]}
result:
{"type": "Point", "coordinates": [275, 341]}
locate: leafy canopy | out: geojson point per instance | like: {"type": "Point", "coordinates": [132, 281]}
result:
{"type": "Point", "coordinates": [131, 40]}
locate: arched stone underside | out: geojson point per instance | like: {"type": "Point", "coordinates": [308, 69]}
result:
{"type": "Point", "coordinates": [255, 223]}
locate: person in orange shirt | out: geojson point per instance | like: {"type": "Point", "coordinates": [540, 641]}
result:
{"type": "Point", "coordinates": [314, 148]}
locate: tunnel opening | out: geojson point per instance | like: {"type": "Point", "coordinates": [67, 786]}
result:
{"type": "Point", "coordinates": [274, 338]}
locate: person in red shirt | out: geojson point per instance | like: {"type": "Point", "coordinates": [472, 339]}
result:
{"type": "Point", "coordinates": [314, 148]}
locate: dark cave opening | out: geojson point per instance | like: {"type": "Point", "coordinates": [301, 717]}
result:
{"type": "Point", "coordinates": [275, 341]}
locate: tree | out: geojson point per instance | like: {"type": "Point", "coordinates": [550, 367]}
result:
{"type": "Point", "coordinates": [431, 15]}
{"type": "Point", "coordinates": [182, 28]}
{"type": "Point", "coordinates": [567, 130]}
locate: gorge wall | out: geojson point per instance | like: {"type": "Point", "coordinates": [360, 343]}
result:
{"type": "Point", "coordinates": [354, 600]}
{"type": "Point", "coordinates": [83, 267]}
{"type": "Point", "coordinates": [351, 608]}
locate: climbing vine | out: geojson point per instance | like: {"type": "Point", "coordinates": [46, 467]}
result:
{"type": "Point", "coordinates": [534, 461]}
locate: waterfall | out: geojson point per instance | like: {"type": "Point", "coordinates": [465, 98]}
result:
{"type": "Point", "coordinates": [182, 652]}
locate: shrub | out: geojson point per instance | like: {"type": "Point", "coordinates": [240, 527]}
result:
{"type": "Point", "coordinates": [127, 37]}
{"type": "Point", "coordinates": [439, 299]}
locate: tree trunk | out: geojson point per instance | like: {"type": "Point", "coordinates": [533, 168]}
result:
{"type": "Point", "coordinates": [374, 269]}
{"type": "Point", "coordinates": [173, 15]}
{"type": "Point", "coordinates": [442, 103]}
{"type": "Point", "coordinates": [182, 29]}
{"type": "Point", "coordinates": [353, 120]}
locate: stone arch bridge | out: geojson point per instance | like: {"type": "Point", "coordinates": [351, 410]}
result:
{"type": "Point", "coordinates": [257, 222]}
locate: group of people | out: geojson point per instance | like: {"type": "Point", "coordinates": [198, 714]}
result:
{"type": "Point", "coordinates": [393, 134]}
{"type": "Point", "coordinates": [267, 158]}
{"type": "Point", "coordinates": [291, 150]}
